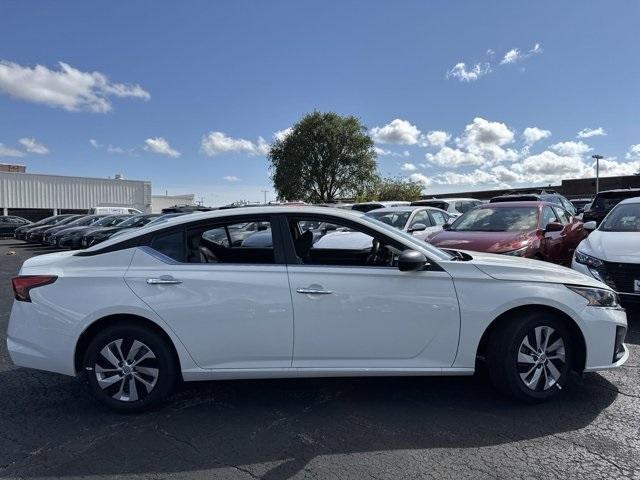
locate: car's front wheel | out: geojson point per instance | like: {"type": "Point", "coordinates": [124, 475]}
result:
{"type": "Point", "coordinates": [529, 357]}
{"type": "Point", "coordinates": [129, 368]}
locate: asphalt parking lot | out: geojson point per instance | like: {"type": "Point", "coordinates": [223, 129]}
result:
{"type": "Point", "coordinates": [322, 428]}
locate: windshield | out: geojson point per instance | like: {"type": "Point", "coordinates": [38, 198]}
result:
{"type": "Point", "coordinates": [79, 222]}
{"type": "Point", "coordinates": [395, 219]}
{"type": "Point", "coordinates": [133, 221]}
{"type": "Point", "coordinates": [110, 221]}
{"type": "Point", "coordinates": [503, 219]}
{"type": "Point", "coordinates": [623, 218]}
{"type": "Point", "coordinates": [437, 252]}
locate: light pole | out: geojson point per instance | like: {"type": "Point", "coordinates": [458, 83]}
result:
{"type": "Point", "coordinates": [597, 158]}
{"type": "Point", "coordinates": [265, 195]}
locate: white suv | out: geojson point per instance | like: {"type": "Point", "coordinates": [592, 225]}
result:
{"type": "Point", "coordinates": [197, 298]}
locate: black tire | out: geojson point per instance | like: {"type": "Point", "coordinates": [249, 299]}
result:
{"type": "Point", "coordinates": [505, 369]}
{"type": "Point", "coordinates": [146, 382]}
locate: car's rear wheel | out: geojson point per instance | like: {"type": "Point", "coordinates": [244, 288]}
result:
{"type": "Point", "coordinates": [129, 368]}
{"type": "Point", "coordinates": [529, 357]}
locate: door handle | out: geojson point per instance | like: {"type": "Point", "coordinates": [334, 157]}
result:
{"type": "Point", "coordinates": [163, 280]}
{"type": "Point", "coordinates": [314, 291]}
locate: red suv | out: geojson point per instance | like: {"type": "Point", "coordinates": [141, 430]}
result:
{"type": "Point", "coordinates": [540, 230]}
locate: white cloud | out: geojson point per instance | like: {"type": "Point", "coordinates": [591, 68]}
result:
{"type": "Point", "coordinates": [31, 146]}
{"type": "Point", "coordinates": [437, 138]}
{"type": "Point", "coordinates": [453, 157]}
{"type": "Point", "coordinates": [549, 166]}
{"type": "Point", "coordinates": [420, 178]}
{"type": "Point", "coordinates": [611, 167]}
{"type": "Point", "coordinates": [231, 178]}
{"type": "Point", "coordinates": [408, 167]}
{"type": "Point", "coordinates": [388, 153]}
{"type": "Point", "coordinates": [462, 74]}
{"type": "Point", "coordinates": [483, 132]}
{"type": "Point", "coordinates": [591, 132]}
{"type": "Point", "coordinates": [282, 134]}
{"type": "Point", "coordinates": [94, 143]}
{"type": "Point", "coordinates": [215, 143]}
{"type": "Point", "coordinates": [67, 88]}
{"type": "Point", "coordinates": [515, 55]}
{"type": "Point", "coordinates": [161, 146]}
{"type": "Point", "coordinates": [634, 152]}
{"type": "Point", "coordinates": [532, 135]}
{"type": "Point", "coordinates": [573, 149]}
{"type": "Point", "coordinates": [10, 152]}
{"type": "Point", "coordinates": [399, 131]}
{"type": "Point", "coordinates": [118, 150]}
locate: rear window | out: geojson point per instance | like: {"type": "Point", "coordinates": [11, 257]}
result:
{"type": "Point", "coordinates": [609, 200]}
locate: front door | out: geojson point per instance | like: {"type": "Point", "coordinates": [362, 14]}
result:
{"type": "Point", "coordinates": [355, 309]}
{"type": "Point", "coordinates": [221, 292]}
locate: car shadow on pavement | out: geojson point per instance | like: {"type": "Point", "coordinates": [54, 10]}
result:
{"type": "Point", "coordinates": [268, 429]}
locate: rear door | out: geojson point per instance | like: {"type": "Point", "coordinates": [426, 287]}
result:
{"type": "Point", "coordinates": [229, 304]}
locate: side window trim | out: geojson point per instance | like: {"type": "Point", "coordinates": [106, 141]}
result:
{"type": "Point", "coordinates": [278, 251]}
{"type": "Point", "coordinates": [289, 248]}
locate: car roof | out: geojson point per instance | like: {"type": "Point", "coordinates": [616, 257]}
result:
{"type": "Point", "coordinates": [630, 200]}
{"type": "Point", "coordinates": [517, 203]}
{"type": "Point", "coordinates": [630, 191]}
{"type": "Point", "coordinates": [407, 208]}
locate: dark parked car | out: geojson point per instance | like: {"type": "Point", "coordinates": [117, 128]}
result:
{"type": "Point", "coordinates": [44, 224]}
{"type": "Point", "coordinates": [9, 223]}
{"type": "Point", "coordinates": [72, 236]}
{"type": "Point", "coordinates": [101, 234]}
{"type": "Point", "coordinates": [551, 197]}
{"type": "Point", "coordinates": [48, 238]}
{"type": "Point", "coordinates": [605, 201]}
{"type": "Point", "coordinates": [35, 234]}
{"type": "Point", "coordinates": [21, 232]}
{"type": "Point", "coordinates": [539, 230]}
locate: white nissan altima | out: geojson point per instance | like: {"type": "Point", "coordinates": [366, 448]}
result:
{"type": "Point", "coordinates": [207, 296]}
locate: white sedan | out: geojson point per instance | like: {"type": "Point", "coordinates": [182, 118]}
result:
{"type": "Point", "coordinates": [611, 253]}
{"type": "Point", "coordinates": [186, 299]}
{"type": "Point", "coordinates": [418, 221]}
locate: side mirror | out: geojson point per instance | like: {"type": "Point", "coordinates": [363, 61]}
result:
{"type": "Point", "coordinates": [590, 226]}
{"type": "Point", "coordinates": [446, 226]}
{"type": "Point", "coordinates": [418, 227]}
{"type": "Point", "coordinates": [554, 227]}
{"type": "Point", "coordinates": [411, 260]}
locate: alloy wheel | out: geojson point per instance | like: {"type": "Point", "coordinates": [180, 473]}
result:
{"type": "Point", "coordinates": [541, 358]}
{"type": "Point", "coordinates": [127, 370]}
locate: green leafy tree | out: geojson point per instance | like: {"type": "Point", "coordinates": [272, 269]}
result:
{"type": "Point", "coordinates": [391, 188]}
{"type": "Point", "coordinates": [324, 157]}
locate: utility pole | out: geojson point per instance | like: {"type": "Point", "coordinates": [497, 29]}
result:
{"type": "Point", "coordinates": [597, 158]}
{"type": "Point", "coordinates": [265, 195]}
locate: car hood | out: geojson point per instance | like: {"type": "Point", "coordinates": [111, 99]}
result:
{"type": "Point", "coordinates": [613, 246]}
{"type": "Point", "coordinates": [505, 267]}
{"type": "Point", "coordinates": [492, 242]}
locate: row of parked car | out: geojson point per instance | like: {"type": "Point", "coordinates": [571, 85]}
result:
{"type": "Point", "coordinates": [79, 231]}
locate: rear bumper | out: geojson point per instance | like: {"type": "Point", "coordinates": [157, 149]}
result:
{"type": "Point", "coordinates": [32, 341]}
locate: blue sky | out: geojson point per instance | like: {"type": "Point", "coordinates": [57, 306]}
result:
{"type": "Point", "coordinates": [181, 93]}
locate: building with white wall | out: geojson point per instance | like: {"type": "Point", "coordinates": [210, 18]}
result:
{"type": "Point", "coordinates": [158, 202]}
{"type": "Point", "coordinates": [36, 196]}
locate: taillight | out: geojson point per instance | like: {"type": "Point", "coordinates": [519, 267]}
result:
{"type": "Point", "coordinates": [23, 284]}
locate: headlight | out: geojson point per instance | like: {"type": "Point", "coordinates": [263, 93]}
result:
{"type": "Point", "coordinates": [597, 297]}
{"type": "Point", "coordinates": [518, 252]}
{"type": "Point", "coordinates": [587, 260]}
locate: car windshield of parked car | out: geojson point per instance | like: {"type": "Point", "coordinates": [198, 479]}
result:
{"type": "Point", "coordinates": [135, 221]}
{"type": "Point", "coordinates": [395, 219]}
{"type": "Point", "coordinates": [435, 251]}
{"type": "Point", "coordinates": [503, 219]}
{"type": "Point", "coordinates": [623, 218]}
{"type": "Point", "coordinates": [110, 221]}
